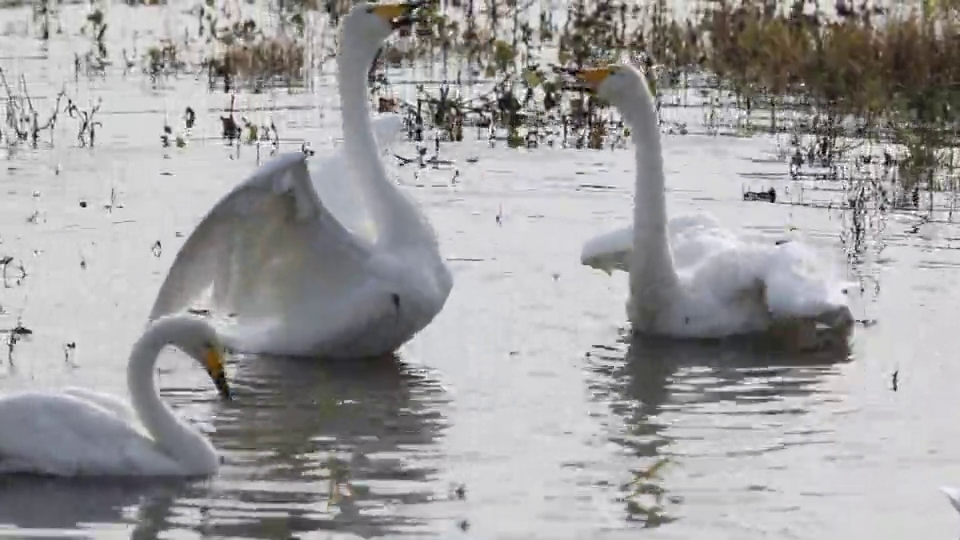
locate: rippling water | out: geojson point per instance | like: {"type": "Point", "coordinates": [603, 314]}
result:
{"type": "Point", "coordinates": [523, 411]}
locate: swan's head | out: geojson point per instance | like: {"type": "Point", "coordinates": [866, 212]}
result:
{"type": "Point", "coordinates": [198, 338]}
{"type": "Point", "coordinates": [620, 84]}
{"type": "Point", "coordinates": [375, 22]}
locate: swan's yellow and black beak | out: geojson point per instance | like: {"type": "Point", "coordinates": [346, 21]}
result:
{"type": "Point", "coordinates": [593, 77]}
{"type": "Point", "coordinates": [214, 364]}
{"type": "Point", "coordinates": [398, 14]}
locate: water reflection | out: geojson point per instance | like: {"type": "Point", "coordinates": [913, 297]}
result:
{"type": "Point", "coordinates": [689, 400]}
{"type": "Point", "coordinates": [371, 423]}
{"type": "Point", "coordinates": [28, 502]}
{"type": "Point", "coordinates": [374, 423]}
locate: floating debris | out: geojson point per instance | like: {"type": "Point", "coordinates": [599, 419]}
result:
{"type": "Point", "coordinates": [68, 350]}
{"type": "Point", "coordinates": [770, 195]}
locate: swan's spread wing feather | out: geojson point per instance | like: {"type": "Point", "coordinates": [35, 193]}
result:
{"type": "Point", "coordinates": [63, 435]}
{"type": "Point", "coordinates": [276, 203]}
{"type": "Point", "coordinates": [609, 251]}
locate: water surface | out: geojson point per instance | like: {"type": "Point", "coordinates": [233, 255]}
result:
{"type": "Point", "coordinates": [524, 411]}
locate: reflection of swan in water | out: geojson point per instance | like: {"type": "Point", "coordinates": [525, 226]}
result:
{"type": "Point", "coordinates": [379, 417]}
{"type": "Point", "coordinates": [29, 502]}
{"type": "Point", "coordinates": [656, 372]}
{"type": "Point", "coordinates": [717, 404]}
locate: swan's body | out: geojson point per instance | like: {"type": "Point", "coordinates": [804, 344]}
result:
{"type": "Point", "coordinates": [690, 278]}
{"type": "Point", "coordinates": [953, 495]}
{"type": "Point", "coordinates": [78, 432]}
{"type": "Point", "coordinates": [327, 259]}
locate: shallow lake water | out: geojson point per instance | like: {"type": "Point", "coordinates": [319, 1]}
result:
{"type": "Point", "coordinates": [524, 410]}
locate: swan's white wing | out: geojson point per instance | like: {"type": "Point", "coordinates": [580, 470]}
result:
{"type": "Point", "coordinates": [798, 284]}
{"type": "Point", "coordinates": [108, 402]}
{"type": "Point", "coordinates": [232, 243]}
{"type": "Point", "coordinates": [275, 256]}
{"type": "Point", "coordinates": [953, 494]}
{"type": "Point", "coordinates": [740, 285]}
{"type": "Point", "coordinates": [609, 251]}
{"type": "Point", "coordinates": [59, 434]}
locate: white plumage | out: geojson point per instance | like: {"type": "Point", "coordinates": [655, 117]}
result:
{"type": "Point", "coordinates": [323, 258]}
{"type": "Point", "coordinates": [689, 277]}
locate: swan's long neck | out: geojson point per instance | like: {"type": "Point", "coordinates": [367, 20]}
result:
{"type": "Point", "coordinates": [353, 62]}
{"type": "Point", "coordinates": [180, 442]}
{"type": "Point", "coordinates": [396, 217]}
{"type": "Point", "coordinates": [653, 278]}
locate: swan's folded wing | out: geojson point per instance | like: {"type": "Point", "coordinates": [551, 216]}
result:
{"type": "Point", "coordinates": [63, 435]}
{"type": "Point", "coordinates": [277, 197]}
{"type": "Point", "coordinates": [609, 251]}
{"type": "Point", "coordinates": [798, 285]}
{"type": "Point", "coordinates": [110, 403]}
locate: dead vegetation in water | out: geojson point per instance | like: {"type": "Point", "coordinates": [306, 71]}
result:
{"type": "Point", "coordinates": [259, 62]}
{"type": "Point", "coordinates": [244, 54]}
{"type": "Point", "coordinates": [24, 124]}
{"type": "Point", "coordinates": [858, 95]}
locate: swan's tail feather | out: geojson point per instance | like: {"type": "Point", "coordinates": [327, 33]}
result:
{"type": "Point", "coordinates": [953, 494]}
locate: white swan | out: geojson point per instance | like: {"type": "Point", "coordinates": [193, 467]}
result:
{"type": "Point", "coordinates": [953, 495]}
{"type": "Point", "coordinates": [78, 432]}
{"type": "Point", "coordinates": [690, 278]}
{"type": "Point", "coordinates": [331, 260]}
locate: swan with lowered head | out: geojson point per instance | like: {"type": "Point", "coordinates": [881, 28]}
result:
{"type": "Point", "coordinates": [326, 260]}
{"type": "Point", "coordinates": [78, 432]}
{"type": "Point", "coordinates": [690, 278]}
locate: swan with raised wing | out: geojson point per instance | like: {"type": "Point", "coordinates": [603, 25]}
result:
{"type": "Point", "coordinates": [689, 277]}
{"type": "Point", "coordinates": [323, 259]}
{"type": "Point", "coordinates": [79, 432]}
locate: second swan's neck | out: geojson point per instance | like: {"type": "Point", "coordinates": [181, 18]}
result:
{"type": "Point", "coordinates": [180, 442]}
{"type": "Point", "coordinates": [395, 216]}
{"type": "Point", "coordinates": [653, 277]}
